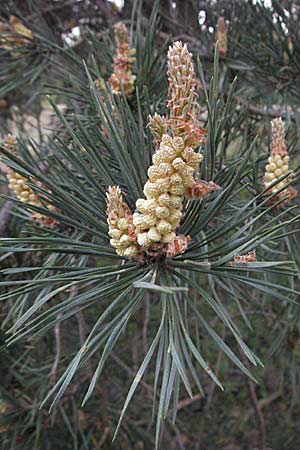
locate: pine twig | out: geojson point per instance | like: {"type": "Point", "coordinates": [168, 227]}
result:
{"type": "Point", "coordinates": [57, 330]}
{"type": "Point", "coordinates": [258, 409]}
{"type": "Point", "coordinates": [213, 385]}
{"type": "Point", "coordinates": [274, 111]}
{"type": "Point", "coordinates": [260, 416]}
{"type": "Point", "coordinates": [146, 322]}
{"type": "Point", "coordinates": [189, 401]}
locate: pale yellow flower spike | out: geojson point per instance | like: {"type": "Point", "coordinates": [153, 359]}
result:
{"type": "Point", "coordinates": [123, 61]}
{"type": "Point", "coordinates": [175, 161]}
{"type": "Point", "coordinates": [160, 214]}
{"type": "Point", "coordinates": [18, 184]}
{"type": "Point", "coordinates": [278, 162]}
{"type": "Point", "coordinates": [174, 164]}
{"type": "Point", "coordinates": [183, 120]}
{"type": "Point", "coordinates": [119, 219]}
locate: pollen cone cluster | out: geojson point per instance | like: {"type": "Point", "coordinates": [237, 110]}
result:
{"type": "Point", "coordinates": [122, 76]}
{"type": "Point", "coordinates": [123, 61]}
{"type": "Point", "coordinates": [175, 161]}
{"type": "Point", "coordinates": [15, 34]}
{"type": "Point", "coordinates": [119, 219]}
{"type": "Point", "coordinates": [221, 36]}
{"type": "Point", "coordinates": [278, 162]}
{"type": "Point", "coordinates": [183, 98]}
{"type": "Point", "coordinates": [172, 175]}
{"type": "Point", "coordinates": [18, 184]}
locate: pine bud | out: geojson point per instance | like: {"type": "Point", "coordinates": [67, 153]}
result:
{"type": "Point", "coordinates": [244, 259]}
{"type": "Point", "coordinates": [221, 36]}
{"type": "Point", "coordinates": [178, 245]}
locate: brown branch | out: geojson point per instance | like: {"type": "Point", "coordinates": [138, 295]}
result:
{"type": "Point", "coordinates": [188, 401]}
{"type": "Point", "coordinates": [150, 390]}
{"type": "Point", "coordinates": [263, 403]}
{"type": "Point", "coordinates": [81, 327]}
{"type": "Point", "coordinates": [130, 371]}
{"type": "Point", "coordinates": [260, 416]}
{"type": "Point", "coordinates": [52, 375]}
{"type": "Point", "coordinates": [211, 391]}
{"type": "Point", "coordinates": [178, 437]}
{"type": "Point", "coordinates": [274, 111]}
{"type": "Point", "coordinates": [103, 439]}
{"type": "Point", "coordinates": [257, 406]}
{"type": "Point", "coordinates": [57, 334]}
{"type": "Point", "coordinates": [213, 385]}
{"type": "Point", "coordinates": [146, 322]}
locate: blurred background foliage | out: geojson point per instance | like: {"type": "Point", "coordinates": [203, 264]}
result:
{"type": "Point", "coordinates": [263, 55]}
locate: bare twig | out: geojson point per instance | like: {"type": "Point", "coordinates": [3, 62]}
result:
{"type": "Point", "coordinates": [258, 408]}
{"type": "Point", "coordinates": [150, 391]}
{"type": "Point", "coordinates": [57, 334]}
{"type": "Point", "coordinates": [213, 385]}
{"type": "Point", "coordinates": [274, 111]}
{"type": "Point", "coordinates": [263, 403]}
{"type": "Point", "coordinates": [57, 351]}
{"type": "Point", "coordinates": [81, 327]}
{"type": "Point", "coordinates": [178, 437]}
{"type": "Point", "coordinates": [134, 349]}
{"type": "Point", "coordinates": [211, 391]}
{"type": "Point", "coordinates": [188, 401]}
{"type": "Point", "coordinates": [130, 371]}
{"type": "Point", "coordinates": [103, 439]}
{"type": "Point", "coordinates": [146, 322]}
{"type": "Point", "coordinates": [260, 415]}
